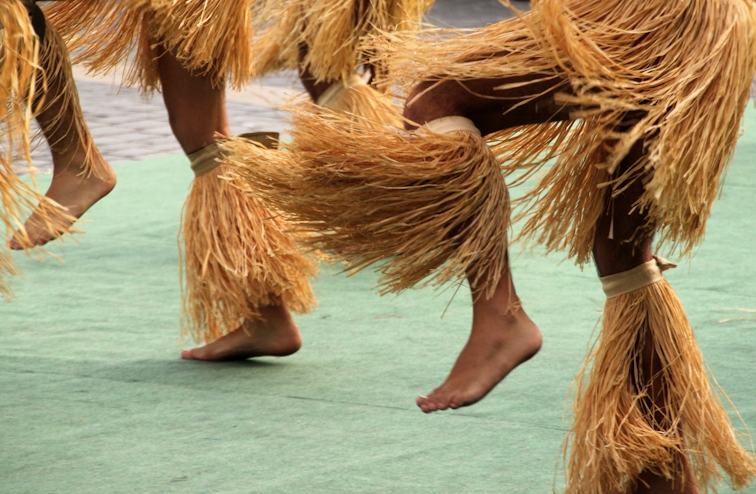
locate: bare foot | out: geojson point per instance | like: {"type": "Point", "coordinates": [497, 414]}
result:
{"type": "Point", "coordinates": [276, 336]}
{"type": "Point", "coordinates": [74, 191]}
{"type": "Point", "coordinates": [498, 343]}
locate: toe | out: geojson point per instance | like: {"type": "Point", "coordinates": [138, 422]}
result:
{"type": "Point", "coordinates": [14, 244]}
{"type": "Point", "coordinates": [187, 354]}
{"type": "Point", "coordinates": [425, 404]}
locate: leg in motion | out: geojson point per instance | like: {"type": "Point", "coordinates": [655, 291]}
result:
{"type": "Point", "coordinates": [81, 177]}
{"type": "Point", "coordinates": [502, 335]}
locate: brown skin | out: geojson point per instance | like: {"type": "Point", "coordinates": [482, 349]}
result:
{"type": "Point", "coordinates": [71, 186]}
{"type": "Point", "coordinates": [499, 340]}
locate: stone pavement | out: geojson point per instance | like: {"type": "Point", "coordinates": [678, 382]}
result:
{"type": "Point", "coordinates": [129, 126]}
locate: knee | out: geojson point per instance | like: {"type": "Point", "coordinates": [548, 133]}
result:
{"type": "Point", "coordinates": [616, 250]}
{"type": "Point", "coordinates": [430, 100]}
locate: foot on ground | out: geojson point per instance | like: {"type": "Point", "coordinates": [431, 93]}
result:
{"type": "Point", "coordinates": [275, 336]}
{"type": "Point", "coordinates": [74, 191]}
{"type": "Point", "coordinates": [498, 343]}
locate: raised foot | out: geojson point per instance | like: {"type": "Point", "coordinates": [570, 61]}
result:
{"type": "Point", "coordinates": [498, 343]}
{"type": "Point", "coordinates": [74, 191]}
{"type": "Point", "coordinates": [275, 336]}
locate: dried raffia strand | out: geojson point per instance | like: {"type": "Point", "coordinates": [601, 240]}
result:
{"type": "Point", "coordinates": [103, 35]}
{"type": "Point", "coordinates": [686, 65]}
{"type": "Point", "coordinates": [54, 57]}
{"type": "Point", "coordinates": [238, 256]}
{"type": "Point", "coordinates": [21, 83]}
{"type": "Point", "coordinates": [430, 208]}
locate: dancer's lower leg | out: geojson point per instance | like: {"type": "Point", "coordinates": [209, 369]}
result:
{"type": "Point", "coordinates": [629, 246]}
{"type": "Point", "coordinates": [197, 114]}
{"type": "Point", "coordinates": [81, 176]}
{"type": "Point", "coordinates": [502, 337]}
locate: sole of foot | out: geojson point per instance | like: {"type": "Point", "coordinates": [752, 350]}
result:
{"type": "Point", "coordinates": [76, 193]}
{"type": "Point", "coordinates": [277, 335]}
{"type": "Point", "coordinates": [497, 345]}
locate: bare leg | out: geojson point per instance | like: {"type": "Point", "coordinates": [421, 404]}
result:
{"type": "Point", "coordinates": [81, 176]}
{"type": "Point", "coordinates": [196, 108]}
{"type": "Point", "coordinates": [618, 254]}
{"type": "Point", "coordinates": [197, 114]}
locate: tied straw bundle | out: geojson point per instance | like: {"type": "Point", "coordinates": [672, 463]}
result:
{"type": "Point", "coordinates": [433, 206]}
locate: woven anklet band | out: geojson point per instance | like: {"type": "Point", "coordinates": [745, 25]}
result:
{"type": "Point", "coordinates": [444, 125]}
{"type": "Point", "coordinates": [628, 281]}
{"type": "Point", "coordinates": [206, 159]}
{"type": "Point", "coordinates": [337, 90]}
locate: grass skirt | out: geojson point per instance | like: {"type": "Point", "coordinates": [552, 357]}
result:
{"type": "Point", "coordinates": [237, 256]}
{"type": "Point", "coordinates": [208, 36]}
{"type": "Point", "coordinates": [431, 208]}
{"type": "Point", "coordinates": [685, 67]}
{"type": "Point", "coordinates": [615, 435]}
{"type": "Point", "coordinates": [330, 29]}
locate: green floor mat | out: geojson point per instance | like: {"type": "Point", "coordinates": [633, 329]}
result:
{"type": "Point", "coordinates": [94, 397]}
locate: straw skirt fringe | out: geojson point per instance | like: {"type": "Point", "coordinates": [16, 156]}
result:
{"type": "Point", "coordinates": [237, 256]}
{"type": "Point", "coordinates": [683, 69]}
{"type": "Point", "coordinates": [615, 435]}
{"type": "Point", "coordinates": [430, 208]}
{"type": "Point", "coordinates": [208, 36]}
{"type": "Point", "coordinates": [329, 29]}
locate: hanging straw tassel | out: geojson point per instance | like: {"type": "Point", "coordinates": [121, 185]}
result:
{"type": "Point", "coordinates": [237, 255]}
{"type": "Point", "coordinates": [207, 36]}
{"type": "Point", "coordinates": [664, 60]}
{"type": "Point", "coordinates": [331, 31]}
{"type": "Point", "coordinates": [433, 204]}
{"type": "Point", "coordinates": [21, 84]}
{"type": "Point", "coordinates": [615, 435]}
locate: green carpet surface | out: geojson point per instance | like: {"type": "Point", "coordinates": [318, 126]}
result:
{"type": "Point", "coordinates": [95, 399]}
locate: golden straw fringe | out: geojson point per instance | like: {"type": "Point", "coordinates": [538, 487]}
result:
{"type": "Point", "coordinates": [614, 437]}
{"type": "Point", "coordinates": [237, 256]}
{"type": "Point", "coordinates": [21, 78]}
{"type": "Point", "coordinates": [685, 67]}
{"type": "Point", "coordinates": [431, 208]}
{"type": "Point", "coordinates": [365, 103]}
{"type": "Point", "coordinates": [330, 29]}
{"type": "Point", "coordinates": [207, 36]}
